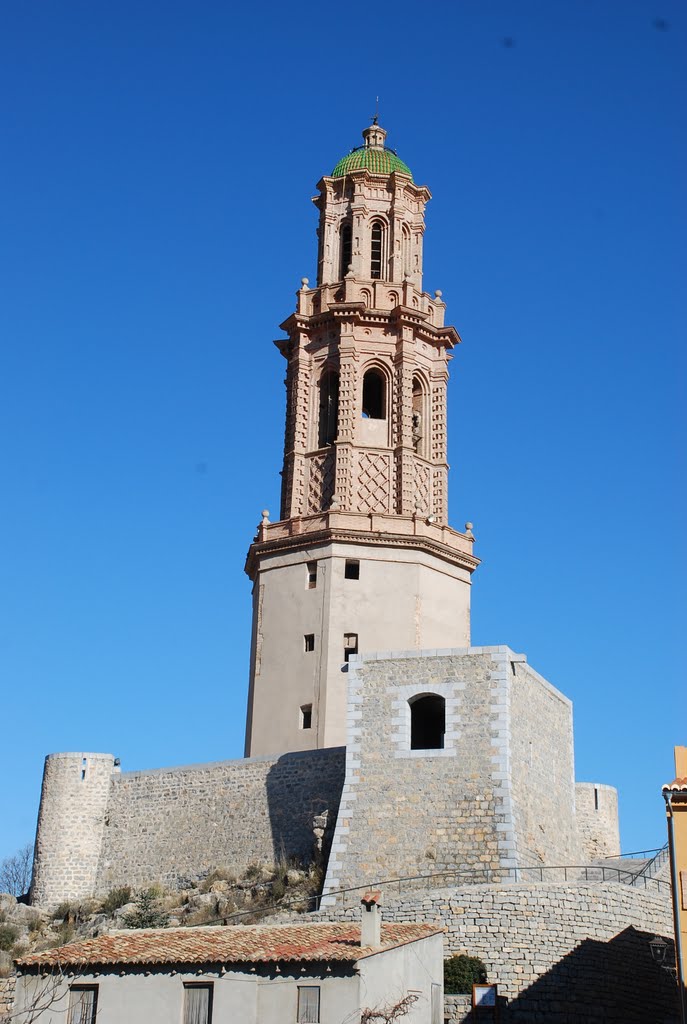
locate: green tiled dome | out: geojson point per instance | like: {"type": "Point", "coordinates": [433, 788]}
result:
{"type": "Point", "coordinates": [379, 161]}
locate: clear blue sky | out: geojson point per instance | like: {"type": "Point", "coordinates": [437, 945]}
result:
{"type": "Point", "coordinates": [155, 221]}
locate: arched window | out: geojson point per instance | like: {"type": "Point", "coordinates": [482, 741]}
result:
{"type": "Point", "coordinates": [374, 395]}
{"type": "Point", "coordinates": [427, 722]}
{"type": "Point", "coordinates": [376, 250]}
{"type": "Point", "coordinates": [329, 408]}
{"type": "Point", "coordinates": [345, 248]}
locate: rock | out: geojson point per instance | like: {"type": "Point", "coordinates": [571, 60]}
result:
{"type": "Point", "coordinates": [7, 902]}
{"type": "Point", "coordinates": [220, 887]}
{"type": "Point", "coordinates": [294, 876]}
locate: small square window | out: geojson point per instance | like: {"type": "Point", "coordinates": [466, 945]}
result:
{"type": "Point", "coordinates": [311, 575]}
{"type": "Point", "coordinates": [309, 642]}
{"type": "Point", "coordinates": [308, 1004]}
{"type": "Point", "coordinates": [350, 645]}
{"type": "Point", "coordinates": [306, 716]}
{"type": "Point", "coordinates": [352, 570]}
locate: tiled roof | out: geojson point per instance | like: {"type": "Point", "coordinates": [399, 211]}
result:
{"type": "Point", "coordinates": [677, 785]}
{"type": "Point", "coordinates": [379, 161]}
{"type": "Point", "coordinates": [228, 944]}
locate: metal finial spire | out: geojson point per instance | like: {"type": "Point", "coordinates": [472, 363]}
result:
{"type": "Point", "coordinates": [375, 119]}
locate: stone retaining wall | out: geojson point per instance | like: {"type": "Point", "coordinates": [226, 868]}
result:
{"type": "Point", "coordinates": [561, 953]}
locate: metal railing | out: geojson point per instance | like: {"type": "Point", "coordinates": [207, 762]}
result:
{"type": "Point", "coordinates": [456, 879]}
{"type": "Point", "coordinates": [500, 876]}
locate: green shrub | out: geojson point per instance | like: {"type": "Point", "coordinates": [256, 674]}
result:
{"type": "Point", "coordinates": [147, 913]}
{"type": "Point", "coordinates": [8, 936]}
{"type": "Point", "coordinates": [116, 898]}
{"type": "Point", "coordinates": [461, 972]}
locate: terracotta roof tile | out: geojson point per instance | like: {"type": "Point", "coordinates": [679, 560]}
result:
{"type": "Point", "coordinates": [228, 944]}
{"type": "Point", "coordinates": [677, 785]}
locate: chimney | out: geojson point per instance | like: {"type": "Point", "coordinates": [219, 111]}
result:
{"type": "Point", "coordinates": [371, 924]}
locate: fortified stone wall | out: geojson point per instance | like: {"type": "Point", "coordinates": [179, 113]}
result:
{"type": "Point", "coordinates": [597, 820]}
{"type": "Point", "coordinates": [560, 952]}
{"type": "Point", "coordinates": [500, 792]}
{"type": "Point", "coordinates": [542, 768]}
{"type": "Point", "coordinates": [174, 824]}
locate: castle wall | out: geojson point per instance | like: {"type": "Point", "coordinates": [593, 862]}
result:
{"type": "Point", "coordinates": [499, 793]}
{"type": "Point", "coordinates": [597, 820]}
{"type": "Point", "coordinates": [542, 768]}
{"type": "Point", "coordinates": [172, 824]}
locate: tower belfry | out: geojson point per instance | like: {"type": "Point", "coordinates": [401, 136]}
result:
{"type": "Point", "coordinates": [362, 557]}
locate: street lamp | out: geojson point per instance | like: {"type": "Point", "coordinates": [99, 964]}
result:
{"type": "Point", "coordinates": [659, 948]}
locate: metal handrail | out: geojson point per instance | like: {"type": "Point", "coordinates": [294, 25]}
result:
{"type": "Point", "coordinates": [635, 853]}
{"type": "Point", "coordinates": [513, 876]}
{"type": "Point", "coordinates": [470, 876]}
{"type": "Point", "coordinates": [648, 870]}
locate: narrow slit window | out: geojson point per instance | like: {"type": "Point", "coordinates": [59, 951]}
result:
{"type": "Point", "coordinates": [197, 1004]}
{"type": "Point", "coordinates": [596, 798]}
{"type": "Point", "coordinates": [329, 408]}
{"type": "Point", "coordinates": [308, 1004]}
{"type": "Point", "coordinates": [350, 645]}
{"type": "Point", "coordinates": [345, 241]}
{"type": "Point", "coordinates": [306, 716]}
{"type": "Point", "coordinates": [352, 570]}
{"type": "Point", "coordinates": [311, 575]}
{"type": "Point", "coordinates": [376, 247]}
{"type": "Point", "coordinates": [309, 642]}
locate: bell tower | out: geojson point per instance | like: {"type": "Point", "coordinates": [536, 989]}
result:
{"type": "Point", "coordinates": [362, 557]}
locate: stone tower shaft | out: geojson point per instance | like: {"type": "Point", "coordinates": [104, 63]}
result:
{"type": "Point", "coordinates": [365, 474]}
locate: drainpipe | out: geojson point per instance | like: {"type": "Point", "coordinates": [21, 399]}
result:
{"type": "Point", "coordinates": [668, 797]}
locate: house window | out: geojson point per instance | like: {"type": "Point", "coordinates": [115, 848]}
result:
{"type": "Point", "coordinates": [83, 1004]}
{"type": "Point", "coordinates": [309, 642]}
{"type": "Point", "coordinates": [311, 575]}
{"type": "Point", "coordinates": [427, 722]}
{"type": "Point", "coordinates": [345, 239]}
{"type": "Point", "coordinates": [329, 408]}
{"type": "Point", "coordinates": [306, 716]}
{"type": "Point", "coordinates": [308, 1004]}
{"type": "Point", "coordinates": [374, 395]}
{"type": "Point", "coordinates": [350, 645]}
{"type": "Point", "coordinates": [352, 569]}
{"type": "Point", "coordinates": [197, 1004]}
{"type": "Point", "coordinates": [376, 250]}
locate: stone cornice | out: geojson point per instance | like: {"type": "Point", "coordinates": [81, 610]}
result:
{"type": "Point", "coordinates": [357, 528]}
{"type": "Point", "coordinates": [402, 316]}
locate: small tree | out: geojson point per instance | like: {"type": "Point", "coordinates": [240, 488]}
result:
{"type": "Point", "coordinates": [15, 871]}
{"type": "Point", "coordinates": [148, 913]}
{"type": "Point", "coordinates": [461, 972]}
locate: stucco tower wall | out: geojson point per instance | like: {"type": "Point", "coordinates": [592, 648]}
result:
{"type": "Point", "coordinates": [597, 820]}
{"type": "Point", "coordinates": [403, 597]}
{"type": "Point", "coordinates": [74, 799]}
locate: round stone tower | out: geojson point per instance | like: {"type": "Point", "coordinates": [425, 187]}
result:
{"type": "Point", "coordinates": [71, 819]}
{"type": "Point", "coordinates": [596, 809]}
